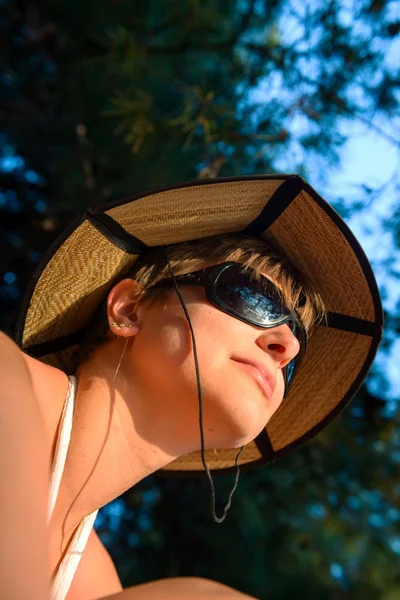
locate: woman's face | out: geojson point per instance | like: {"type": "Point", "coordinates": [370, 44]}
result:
{"type": "Point", "coordinates": [237, 402]}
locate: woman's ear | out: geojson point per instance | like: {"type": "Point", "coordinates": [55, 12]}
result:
{"type": "Point", "coordinates": [123, 307]}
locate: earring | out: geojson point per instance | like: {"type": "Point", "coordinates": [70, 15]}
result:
{"type": "Point", "coordinates": [120, 360]}
{"type": "Point", "coordinates": [215, 452]}
{"type": "Point", "coordinates": [123, 351]}
{"type": "Point", "coordinates": [120, 324]}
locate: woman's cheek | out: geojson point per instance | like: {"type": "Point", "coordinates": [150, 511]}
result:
{"type": "Point", "coordinates": [277, 397]}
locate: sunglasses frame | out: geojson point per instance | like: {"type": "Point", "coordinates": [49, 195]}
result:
{"type": "Point", "coordinates": [208, 278]}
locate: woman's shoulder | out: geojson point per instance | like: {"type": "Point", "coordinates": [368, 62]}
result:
{"type": "Point", "coordinates": [50, 386]}
{"type": "Point", "coordinates": [43, 376]}
{"type": "Point", "coordinates": [38, 371]}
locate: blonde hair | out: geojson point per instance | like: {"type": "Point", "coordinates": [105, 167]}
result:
{"type": "Point", "coordinates": [252, 252]}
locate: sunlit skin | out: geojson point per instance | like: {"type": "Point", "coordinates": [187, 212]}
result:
{"type": "Point", "coordinates": [127, 429]}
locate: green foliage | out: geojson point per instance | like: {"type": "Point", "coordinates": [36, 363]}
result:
{"type": "Point", "coordinates": [103, 99]}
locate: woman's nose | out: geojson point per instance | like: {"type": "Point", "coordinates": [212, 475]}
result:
{"type": "Point", "coordinates": [280, 343]}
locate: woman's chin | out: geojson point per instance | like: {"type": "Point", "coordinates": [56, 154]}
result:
{"type": "Point", "coordinates": [245, 439]}
{"type": "Point", "coordinates": [241, 434]}
{"type": "Point", "coordinates": [235, 422]}
{"type": "Point", "coordinates": [249, 426]}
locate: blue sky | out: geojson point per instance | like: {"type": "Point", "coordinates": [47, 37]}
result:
{"type": "Point", "coordinates": [370, 159]}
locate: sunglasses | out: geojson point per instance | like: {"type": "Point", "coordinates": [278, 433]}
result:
{"type": "Point", "coordinates": [241, 295]}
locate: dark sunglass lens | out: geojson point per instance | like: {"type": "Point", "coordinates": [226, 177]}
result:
{"type": "Point", "coordinates": [257, 301]}
{"type": "Point", "coordinates": [290, 368]}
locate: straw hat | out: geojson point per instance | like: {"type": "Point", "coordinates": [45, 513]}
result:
{"type": "Point", "coordinates": [98, 248]}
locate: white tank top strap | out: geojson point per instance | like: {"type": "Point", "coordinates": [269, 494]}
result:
{"type": "Point", "coordinates": [63, 439]}
{"type": "Point", "coordinates": [66, 571]}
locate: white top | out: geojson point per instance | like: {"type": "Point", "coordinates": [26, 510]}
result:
{"type": "Point", "coordinates": [66, 571]}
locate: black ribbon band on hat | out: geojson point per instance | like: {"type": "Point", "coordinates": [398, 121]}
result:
{"type": "Point", "coordinates": [277, 204]}
{"type": "Point", "coordinates": [352, 324]}
{"type": "Point", "coordinates": [264, 445]}
{"type": "Point", "coordinates": [115, 232]}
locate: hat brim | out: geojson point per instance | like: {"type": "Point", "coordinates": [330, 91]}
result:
{"type": "Point", "coordinates": [84, 263]}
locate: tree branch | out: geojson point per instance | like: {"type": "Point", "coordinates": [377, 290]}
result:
{"type": "Point", "coordinates": [184, 45]}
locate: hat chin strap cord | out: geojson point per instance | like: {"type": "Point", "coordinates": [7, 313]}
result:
{"type": "Point", "coordinates": [207, 470]}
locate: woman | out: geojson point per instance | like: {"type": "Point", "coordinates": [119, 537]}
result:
{"type": "Point", "coordinates": [202, 326]}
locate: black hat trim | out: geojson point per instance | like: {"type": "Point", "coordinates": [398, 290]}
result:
{"type": "Point", "coordinates": [26, 301]}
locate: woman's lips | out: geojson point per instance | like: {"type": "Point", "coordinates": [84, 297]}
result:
{"type": "Point", "coordinates": [263, 378]}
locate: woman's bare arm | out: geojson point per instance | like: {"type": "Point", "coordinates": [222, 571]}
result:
{"type": "Point", "coordinates": [24, 477]}
{"type": "Point", "coordinates": [180, 588]}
